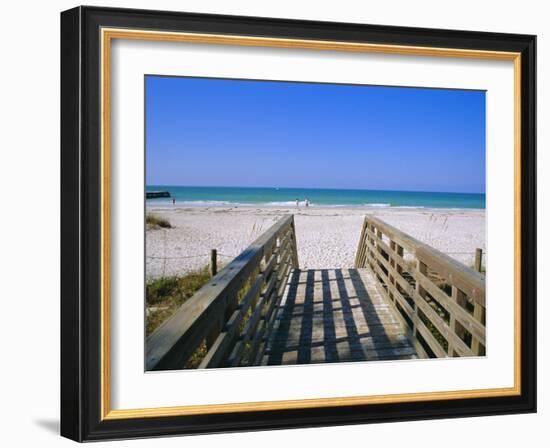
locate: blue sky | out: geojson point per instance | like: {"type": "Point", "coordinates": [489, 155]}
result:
{"type": "Point", "coordinates": [215, 132]}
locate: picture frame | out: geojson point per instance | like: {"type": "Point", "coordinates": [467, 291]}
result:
{"type": "Point", "coordinates": [86, 238]}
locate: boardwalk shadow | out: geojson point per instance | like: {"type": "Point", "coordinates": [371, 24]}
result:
{"type": "Point", "coordinates": [334, 315]}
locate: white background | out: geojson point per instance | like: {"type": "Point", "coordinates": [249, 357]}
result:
{"type": "Point", "coordinates": [29, 234]}
{"type": "Point", "coordinates": [132, 388]}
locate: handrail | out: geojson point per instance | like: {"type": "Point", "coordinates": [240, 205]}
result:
{"type": "Point", "coordinates": [441, 301]}
{"type": "Point", "coordinates": [233, 313]}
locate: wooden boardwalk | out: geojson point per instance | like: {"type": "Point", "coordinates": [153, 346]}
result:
{"type": "Point", "coordinates": [402, 300]}
{"type": "Point", "coordinates": [335, 315]}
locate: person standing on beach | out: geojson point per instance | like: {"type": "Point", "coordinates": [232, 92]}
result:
{"type": "Point", "coordinates": [297, 203]}
{"type": "Point", "coordinates": [173, 201]}
{"type": "Point", "coordinates": [307, 202]}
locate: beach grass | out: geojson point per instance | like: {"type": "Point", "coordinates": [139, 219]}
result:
{"type": "Point", "coordinates": [163, 296]}
{"type": "Point", "coordinates": [156, 222]}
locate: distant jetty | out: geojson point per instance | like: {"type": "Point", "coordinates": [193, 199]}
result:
{"type": "Point", "coordinates": [157, 194]}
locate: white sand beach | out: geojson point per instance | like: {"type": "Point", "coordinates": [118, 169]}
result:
{"type": "Point", "coordinates": [327, 237]}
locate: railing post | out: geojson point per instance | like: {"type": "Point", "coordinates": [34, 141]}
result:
{"type": "Point", "coordinates": [362, 246]}
{"type": "Point", "coordinates": [479, 314]}
{"type": "Point", "coordinates": [460, 298]}
{"type": "Point", "coordinates": [368, 254]}
{"type": "Point", "coordinates": [214, 332]}
{"type": "Point", "coordinates": [368, 239]}
{"type": "Point", "coordinates": [477, 263]}
{"type": "Point", "coordinates": [294, 243]}
{"type": "Point", "coordinates": [399, 250]}
{"type": "Point", "coordinates": [213, 262]}
{"type": "Point", "coordinates": [423, 269]}
{"type": "Point", "coordinates": [391, 278]}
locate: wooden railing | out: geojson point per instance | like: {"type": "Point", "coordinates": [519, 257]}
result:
{"type": "Point", "coordinates": [227, 321]}
{"type": "Point", "coordinates": [441, 301]}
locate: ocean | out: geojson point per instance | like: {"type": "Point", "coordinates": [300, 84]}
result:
{"type": "Point", "coordinates": [232, 196]}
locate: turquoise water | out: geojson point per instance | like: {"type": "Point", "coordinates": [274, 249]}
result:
{"type": "Point", "coordinates": [316, 197]}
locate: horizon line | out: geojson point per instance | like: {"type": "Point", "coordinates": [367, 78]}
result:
{"type": "Point", "coordinates": [315, 188]}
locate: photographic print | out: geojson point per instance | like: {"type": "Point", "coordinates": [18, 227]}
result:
{"type": "Point", "coordinates": [292, 223]}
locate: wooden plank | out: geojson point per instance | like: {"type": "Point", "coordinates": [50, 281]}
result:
{"type": "Point", "coordinates": [429, 338]}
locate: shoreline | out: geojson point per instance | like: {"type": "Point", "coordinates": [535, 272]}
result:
{"type": "Point", "coordinates": [231, 205]}
{"type": "Point", "coordinates": [327, 236]}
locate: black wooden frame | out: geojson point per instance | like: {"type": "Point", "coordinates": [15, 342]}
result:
{"type": "Point", "coordinates": [80, 223]}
